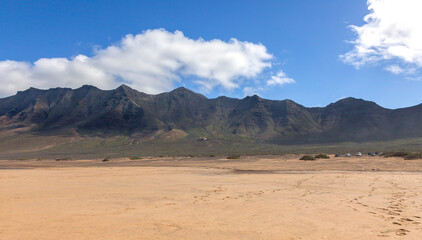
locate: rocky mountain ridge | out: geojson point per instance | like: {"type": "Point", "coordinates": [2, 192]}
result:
{"type": "Point", "coordinates": [183, 114]}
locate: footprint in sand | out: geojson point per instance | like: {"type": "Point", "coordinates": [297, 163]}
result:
{"type": "Point", "coordinates": [406, 220]}
{"type": "Point", "coordinates": [393, 213]}
{"type": "Point", "coordinates": [401, 232]}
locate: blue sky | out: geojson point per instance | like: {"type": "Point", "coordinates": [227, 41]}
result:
{"type": "Point", "coordinates": [305, 39]}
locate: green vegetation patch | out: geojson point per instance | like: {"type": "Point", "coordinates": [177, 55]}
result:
{"type": "Point", "coordinates": [323, 156]}
{"type": "Point", "coordinates": [403, 154]}
{"type": "Point", "coordinates": [233, 156]}
{"type": "Point", "coordinates": [413, 156]}
{"type": "Point", "coordinates": [307, 158]}
{"type": "Point", "coordinates": [396, 154]}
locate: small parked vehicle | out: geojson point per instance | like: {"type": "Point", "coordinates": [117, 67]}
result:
{"type": "Point", "coordinates": [337, 155]}
{"type": "Point", "coordinates": [358, 154]}
{"type": "Point", "coordinates": [348, 155]}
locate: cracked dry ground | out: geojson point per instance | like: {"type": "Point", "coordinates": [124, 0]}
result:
{"type": "Point", "coordinates": [206, 203]}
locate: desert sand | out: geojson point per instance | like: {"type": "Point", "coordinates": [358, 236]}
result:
{"type": "Point", "coordinates": [261, 197]}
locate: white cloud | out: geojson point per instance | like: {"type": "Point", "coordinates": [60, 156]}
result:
{"type": "Point", "coordinates": [250, 91]}
{"type": "Point", "coordinates": [392, 32]}
{"type": "Point", "coordinates": [395, 69]}
{"type": "Point", "coordinates": [279, 79]}
{"type": "Point", "coordinates": [415, 78]}
{"type": "Point", "coordinates": [13, 76]}
{"type": "Point", "coordinates": [150, 62]}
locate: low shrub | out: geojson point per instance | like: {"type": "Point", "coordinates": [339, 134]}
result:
{"type": "Point", "coordinates": [396, 154]}
{"type": "Point", "coordinates": [106, 159]}
{"type": "Point", "coordinates": [324, 156]}
{"type": "Point", "coordinates": [307, 158]}
{"type": "Point", "coordinates": [135, 158]}
{"type": "Point", "coordinates": [233, 156]}
{"type": "Point", "coordinates": [413, 156]}
{"type": "Point", "coordinates": [404, 155]}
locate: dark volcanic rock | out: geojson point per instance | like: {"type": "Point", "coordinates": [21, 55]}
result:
{"type": "Point", "coordinates": [126, 111]}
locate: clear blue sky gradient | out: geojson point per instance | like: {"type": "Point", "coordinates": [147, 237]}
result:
{"type": "Point", "coordinates": [306, 37]}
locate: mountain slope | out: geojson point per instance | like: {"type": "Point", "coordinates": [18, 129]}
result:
{"type": "Point", "coordinates": [183, 114]}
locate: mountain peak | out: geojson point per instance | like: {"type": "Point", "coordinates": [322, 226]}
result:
{"type": "Point", "coordinates": [352, 100]}
{"type": "Point", "coordinates": [182, 90]}
{"type": "Point", "coordinates": [354, 103]}
{"type": "Point", "coordinates": [88, 87]}
{"type": "Point", "coordinates": [253, 97]}
{"type": "Point", "coordinates": [348, 99]}
{"type": "Point", "coordinates": [124, 87]}
{"type": "Point", "coordinates": [31, 89]}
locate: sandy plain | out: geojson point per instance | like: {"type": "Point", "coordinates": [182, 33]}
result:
{"type": "Point", "coordinates": [255, 197]}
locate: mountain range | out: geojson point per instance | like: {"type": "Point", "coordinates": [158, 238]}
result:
{"type": "Point", "coordinates": [185, 115]}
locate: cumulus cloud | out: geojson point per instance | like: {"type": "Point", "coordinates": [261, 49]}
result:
{"type": "Point", "coordinates": [395, 69]}
{"type": "Point", "coordinates": [250, 91]}
{"type": "Point", "coordinates": [278, 79]}
{"type": "Point", "coordinates": [392, 32]}
{"type": "Point", "coordinates": [150, 62]}
{"type": "Point", "coordinates": [13, 76]}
